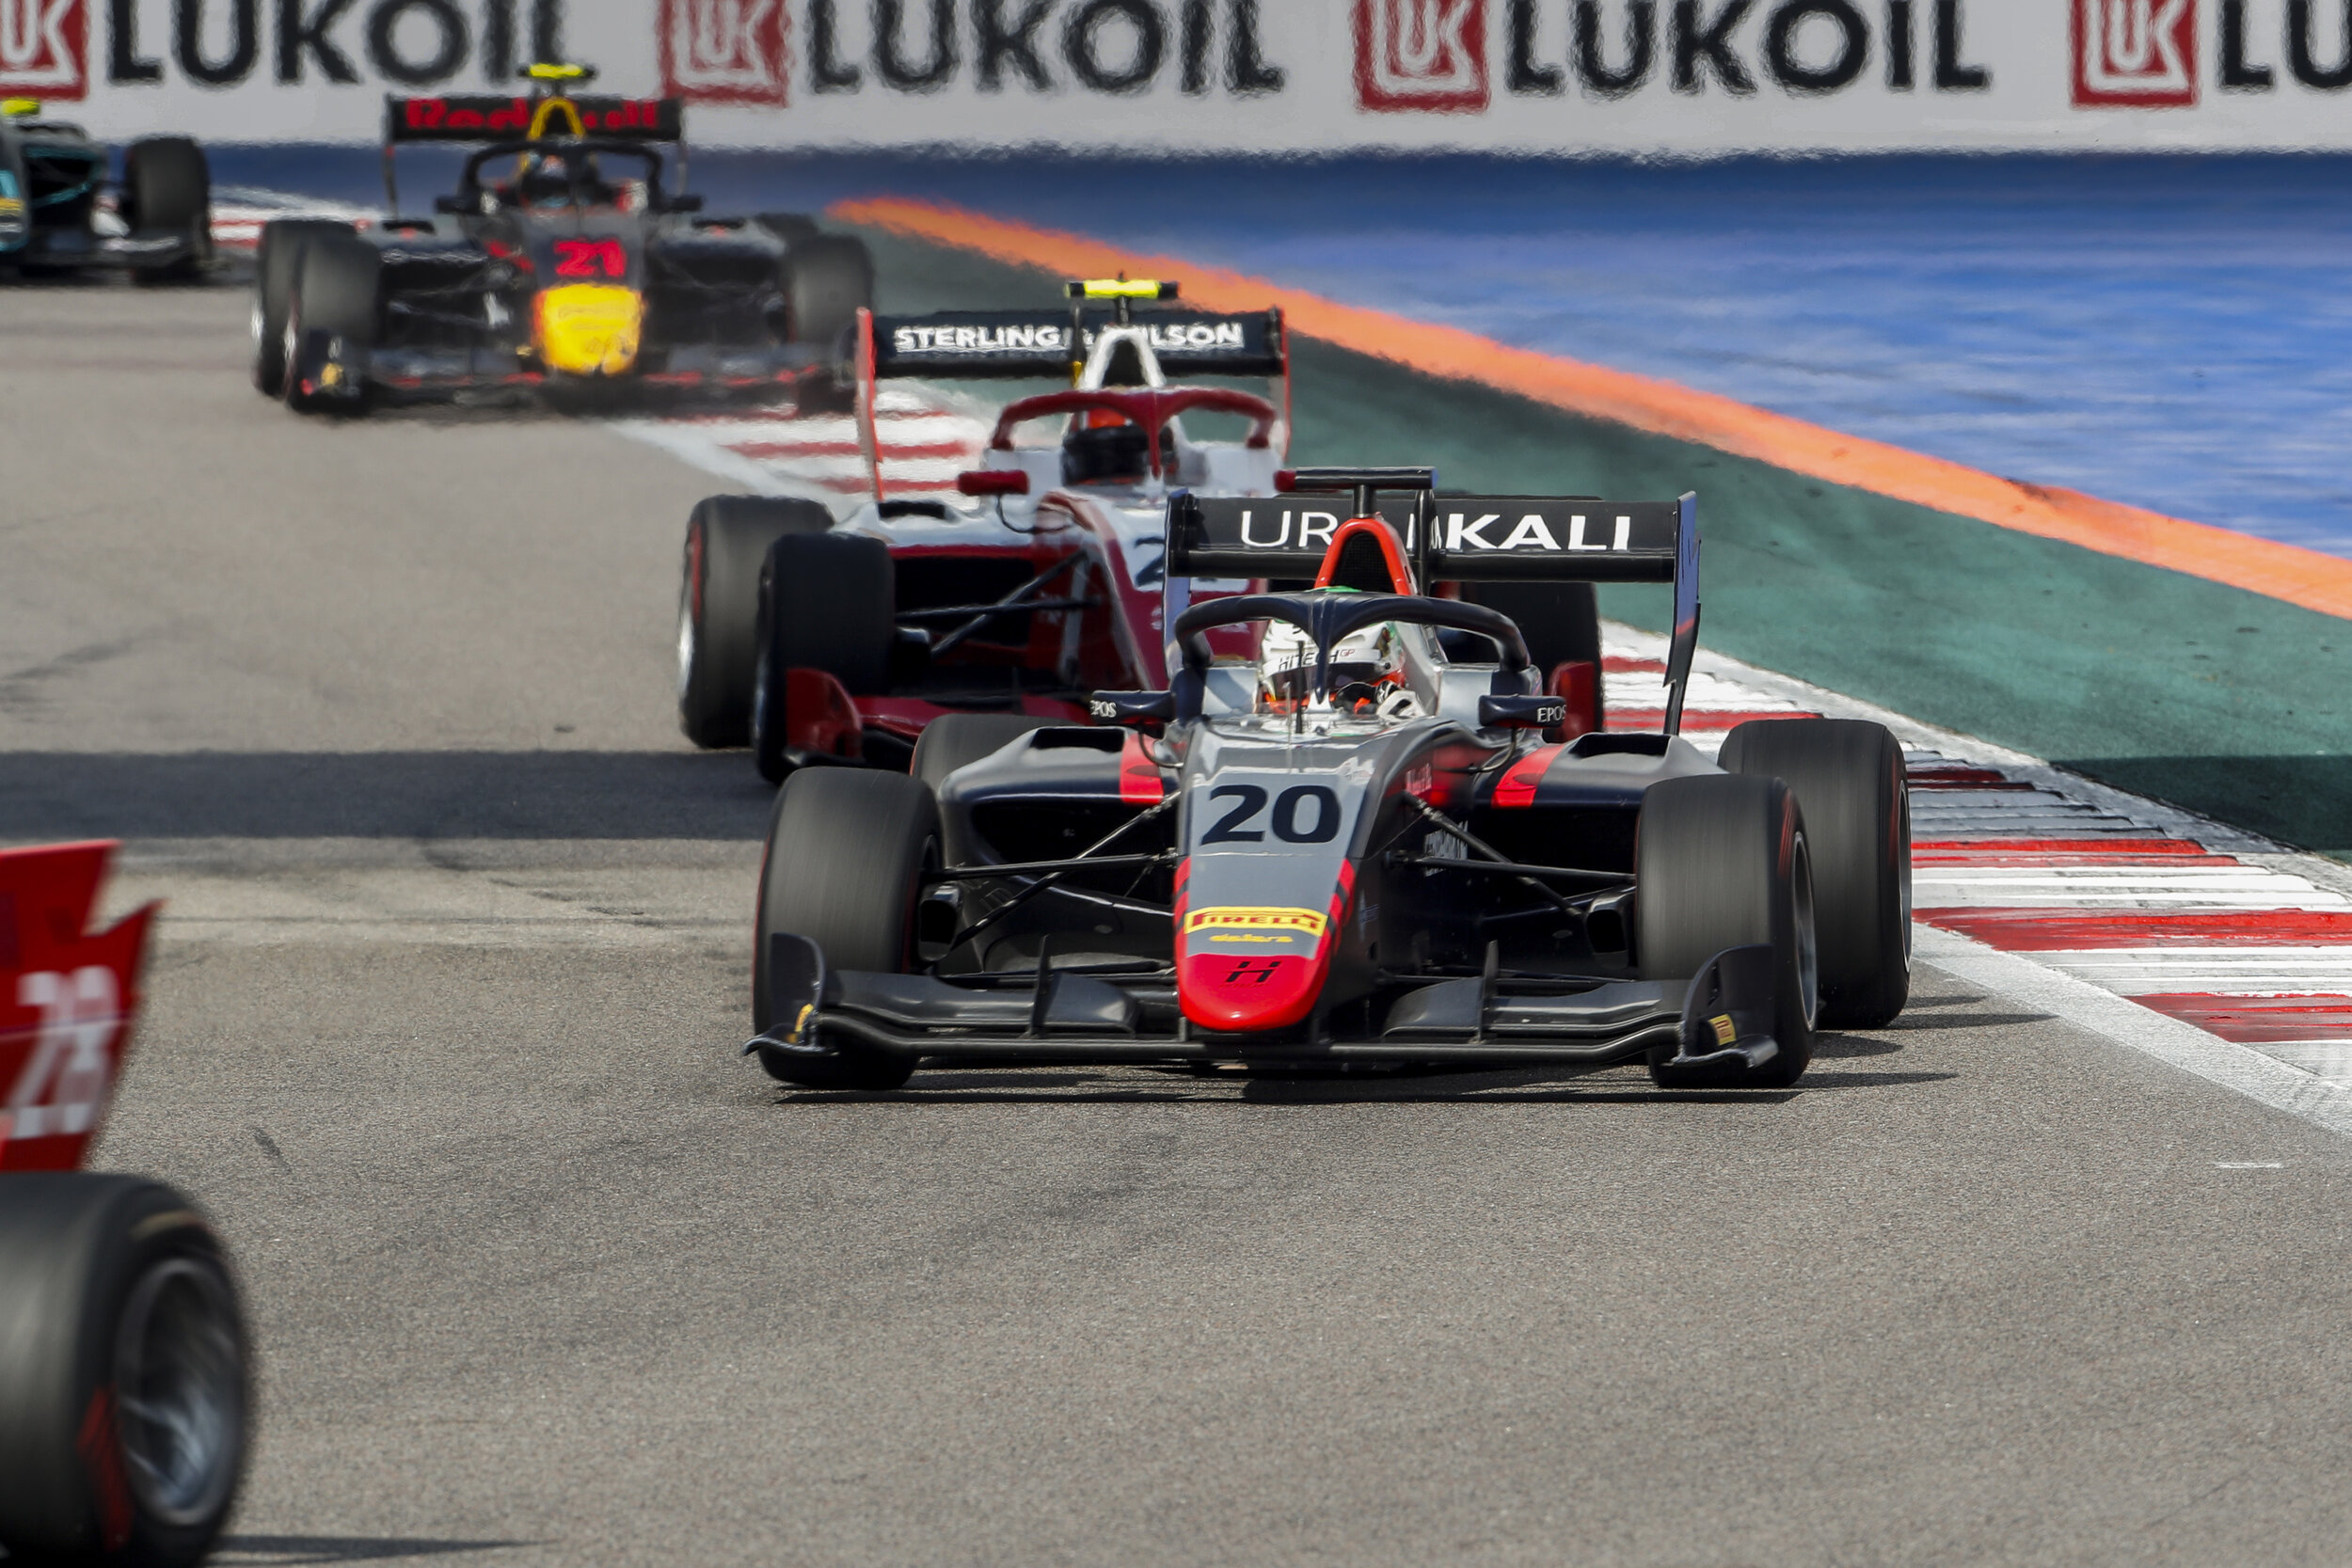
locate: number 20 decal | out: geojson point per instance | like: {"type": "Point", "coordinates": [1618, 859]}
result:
{"type": "Point", "coordinates": [1289, 808]}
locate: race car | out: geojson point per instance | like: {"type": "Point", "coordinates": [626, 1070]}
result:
{"type": "Point", "coordinates": [825, 642]}
{"type": "Point", "coordinates": [565, 262]}
{"type": "Point", "coordinates": [125, 1369]}
{"type": "Point", "coordinates": [60, 212]}
{"type": "Point", "coordinates": [1351, 848]}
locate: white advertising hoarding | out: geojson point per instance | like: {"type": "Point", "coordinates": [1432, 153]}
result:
{"type": "Point", "coordinates": [1686, 77]}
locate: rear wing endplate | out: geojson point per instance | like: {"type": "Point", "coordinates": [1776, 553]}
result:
{"type": "Point", "coordinates": [1461, 539]}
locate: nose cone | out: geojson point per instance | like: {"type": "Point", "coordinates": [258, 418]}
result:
{"type": "Point", "coordinates": [589, 328]}
{"type": "Point", "coordinates": [1248, 968]}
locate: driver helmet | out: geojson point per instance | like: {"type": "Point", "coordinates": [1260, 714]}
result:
{"type": "Point", "coordinates": [1367, 669]}
{"type": "Point", "coordinates": [1105, 447]}
{"type": "Point", "coordinates": [546, 182]}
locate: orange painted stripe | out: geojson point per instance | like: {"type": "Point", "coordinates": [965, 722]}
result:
{"type": "Point", "coordinates": [2297, 576]}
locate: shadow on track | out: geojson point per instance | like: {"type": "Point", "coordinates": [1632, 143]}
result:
{"type": "Point", "coordinates": [290, 1551]}
{"type": "Point", "coordinates": [404, 795]}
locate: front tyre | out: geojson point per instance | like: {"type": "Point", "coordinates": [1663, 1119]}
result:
{"type": "Point", "coordinates": [337, 295]}
{"type": "Point", "coordinates": [167, 188]}
{"type": "Point", "coordinates": [274, 264]}
{"type": "Point", "coordinates": [125, 1389]}
{"type": "Point", "coordinates": [842, 866]}
{"type": "Point", "coordinates": [1722, 861]}
{"type": "Point", "coordinates": [827, 279]}
{"type": "Point", "coordinates": [1850, 781]}
{"type": "Point", "coordinates": [825, 603]}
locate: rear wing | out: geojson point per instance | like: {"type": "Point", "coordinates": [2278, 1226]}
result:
{"type": "Point", "coordinates": [1088, 344]}
{"type": "Point", "coordinates": [984, 344]}
{"type": "Point", "coordinates": [1453, 539]}
{"type": "Point", "coordinates": [485, 117]}
{"type": "Point", "coordinates": [541, 116]}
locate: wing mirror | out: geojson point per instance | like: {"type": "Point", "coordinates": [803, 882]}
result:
{"type": "Point", "coordinates": [1522, 713]}
{"type": "Point", "coordinates": [1132, 708]}
{"type": "Point", "coordinates": [993, 481]}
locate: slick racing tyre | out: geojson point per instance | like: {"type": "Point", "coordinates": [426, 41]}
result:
{"type": "Point", "coordinates": [825, 602]}
{"type": "Point", "coordinates": [125, 1384]}
{"type": "Point", "coordinates": [947, 743]}
{"type": "Point", "coordinates": [827, 279]}
{"type": "Point", "coordinates": [282, 243]}
{"type": "Point", "coordinates": [843, 868]}
{"type": "Point", "coordinates": [1722, 862]}
{"type": "Point", "coordinates": [167, 188]}
{"type": "Point", "coordinates": [726, 545]}
{"type": "Point", "coordinates": [1849, 779]}
{"type": "Point", "coordinates": [336, 295]}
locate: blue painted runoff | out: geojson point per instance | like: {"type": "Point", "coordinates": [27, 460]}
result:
{"type": "Point", "coordinates": [2174, 332]}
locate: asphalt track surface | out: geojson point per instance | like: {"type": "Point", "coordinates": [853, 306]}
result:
{"type": "Point", "coordinates": [441, 1026]}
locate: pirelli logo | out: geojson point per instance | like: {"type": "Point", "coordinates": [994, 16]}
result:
{"type": "Point", "coordinates": [1234, 919]}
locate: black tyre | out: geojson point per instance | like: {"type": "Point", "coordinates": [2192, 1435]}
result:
{"type": "Point", "coordinates": [125, 1383]}
{"type": "Point", "coordinates": [791, 228]}
{"type": "Point", "coordinates": [843, 868]}
{"type": "Point", "coordinates": [282, 243]}
{"type": "Point", "coordinates": [947, 743]}
{"type": "Point", "coordinates": [1560, 620]}
{"type": "Point", "coordinates": [337, 290]}
{"type": "Point", "coordinates": [167, 188]}
{"type": "Point", "coordinates": [727, 544]}
{"type": "Point", "coordinates": [825, 602]}
{"type": "Point", "coordinates": [1849, 779]}
{"type": "Point", "coordinates": [827, 279]}
{"type": "Point", "coordinates": [1722, 862]}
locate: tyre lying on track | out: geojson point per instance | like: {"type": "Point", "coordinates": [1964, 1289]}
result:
{"type": "Point", "coordinates": [1849, 781]}
{"type": "Point", "coordinates": [726, 548]}
{"type": "Point", "coordinates": [843, 865]}
{"type": "Point", "coordinates": [125, 1379]}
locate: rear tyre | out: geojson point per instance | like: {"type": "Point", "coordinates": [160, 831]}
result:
{"type": "Point", "coordinates": [827, 279]}
{"type": "Point", "coordinates": [125, 1389]}
{"type": "Point", "coordinates": [947, 743]}
{"type": "Point", "coordinates": [337, 288]}
{"type": "Point", "coordinates": [1560, 620]}
{"type": "Point", "coordinates": [1849, 779]}
{"type": "Point", "coordinates": [727, 544]}
{"type": "Point", "coordinates": [282, 243]}
{"type": "Point", "coordinates": [791, 228]}
{"type": "Point", "coordinates": [843, 868]}
{"type": "Point", "coordinates": [825, 603]}
{"type": "Point", "coordinates": [1721, 861]}
{"type": "Point", "coordinates": [167, 187]}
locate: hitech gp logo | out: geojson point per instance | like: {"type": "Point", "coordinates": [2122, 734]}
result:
{"type": "Point", "coordinates": [2134, 54]}
{"type": "Point", "coordinates": [724, 51]}
{"type": "Point", "coordinates": [1427, 55]}
{"type": "Point", "coordinates": [44, 48]}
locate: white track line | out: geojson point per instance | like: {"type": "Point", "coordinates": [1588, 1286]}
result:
{"type": "Point", "coordinates": [2236, 1068]}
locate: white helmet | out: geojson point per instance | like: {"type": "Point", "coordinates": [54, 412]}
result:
{"type": "Point", "coordinates": [1368, 660]}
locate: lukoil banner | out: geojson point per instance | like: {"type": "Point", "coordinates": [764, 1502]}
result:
{"type": "Point", "coordinates": [1696, 77]}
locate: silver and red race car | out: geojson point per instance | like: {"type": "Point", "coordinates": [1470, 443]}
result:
{"type": "Point", "coordinates": [125, 1383]}
{"type": "Point", "coordinates": [1368, 842]}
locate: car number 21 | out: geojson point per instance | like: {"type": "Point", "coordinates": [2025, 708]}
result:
{"type": "Point", "coordinates": [1303, 814]}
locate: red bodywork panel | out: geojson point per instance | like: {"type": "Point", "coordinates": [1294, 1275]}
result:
{"type": "Point", "coordinates": [67, 1001]}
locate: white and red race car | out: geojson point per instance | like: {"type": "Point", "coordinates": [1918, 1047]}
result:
{"type": "Point", "coordinates": [125, 1383]}
{"type": "Point", "coordinates": [961, 621]}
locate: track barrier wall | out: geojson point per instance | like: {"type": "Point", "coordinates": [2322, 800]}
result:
{"type": "Point", "coordinates": [1683, 77]}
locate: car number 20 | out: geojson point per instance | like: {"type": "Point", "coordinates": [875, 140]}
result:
{"type": "Point", "coordinates": [1303, 814]}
